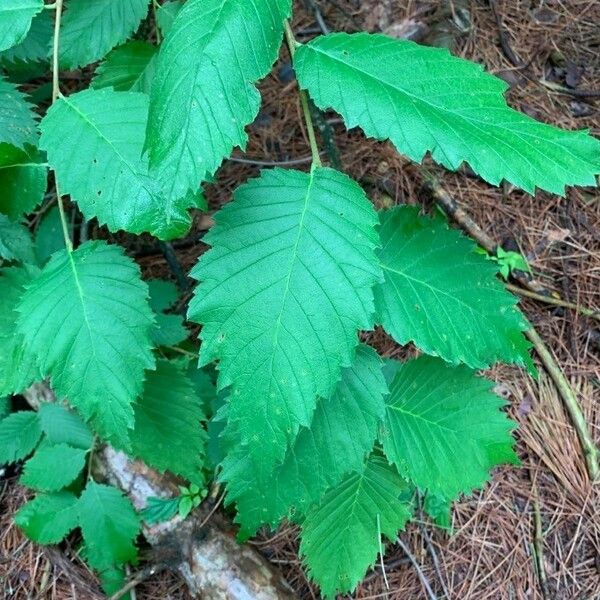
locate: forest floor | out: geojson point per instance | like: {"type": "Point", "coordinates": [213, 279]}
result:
{"type": "Point", "coordinates": [545, 512]}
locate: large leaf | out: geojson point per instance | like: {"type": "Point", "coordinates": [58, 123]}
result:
{"type": "Point", "coordinates": [109, 526]}
{"type": "Point", "coordinates": [52, 468]}
{"type": "Point", "coordinates": [425, 100]}
{"type": "Point", "coordinates": [168, 430]}
{"type": "Point", "coordinates": [22, 180]}
{"type": "Point", "coordinates": [19, 435]}
{"type": "Point", "coordinates": [16, 243]}
{"type": "Point", "coordinates": [284, 290]}
{"type": "Point", "coordinates": [129, 68]}
{"type": "Point", "coordinates": [443, 296]}
{"type": "Point", "coordinates": [111, 182]}
{"type": "Point", "coordinates": [444, 428]}
{"type": "Point", "coordinates": [18, 364]}
{"type": "Point", "coordinates": [341, 435]}
{"type": "Point", "coordinates": [203, 93]}
{"type": "Point", "coordinates": [18, 122]}
{"type": "Point", "coordinates": [341, 537]}
{"type": "Point", "coordinates": [35, 47]}
{"type": "Point", "coordinates": [15, 20]}
{"type": "Point", "coordinates": [48, 517]}
{"type": "Point", "coordinates": [87, 319]}
{"type": "Point", "coordinates": [90, 28]}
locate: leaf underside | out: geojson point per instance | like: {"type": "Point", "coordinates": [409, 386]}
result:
{"type": "Point", "coordinates": [425, 100]}
{"type": "Point", "coordinates": [283, 292]}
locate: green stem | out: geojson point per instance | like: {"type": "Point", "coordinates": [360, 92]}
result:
{"type": "Point", "coordinates": [55, 94]}
{"type": "Point", "coordinates": [155, 7]}
{"type": "Point", "coordinates": [310, 128]}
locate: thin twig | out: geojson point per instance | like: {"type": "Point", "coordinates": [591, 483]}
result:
{"type": "Point", "coordinates": [413, 560]}
{"type": "Point", "coordinates": [271, 163]}
{"type": "Point", "coordinates": [590, 451]}
{"type": "Point", "coordinates": [588, 312]}
{"type": "Point", "coordinates": [167, 249]}
{"type": "Point", "coordinates": [136, 580]}
{"type": "Point", "coordinates": [430, 547]}
{"type": "Point", "coordinates": [538, 543]}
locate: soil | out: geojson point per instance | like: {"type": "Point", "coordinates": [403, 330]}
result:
{"type": "Point", "coordinates": [541, 48]}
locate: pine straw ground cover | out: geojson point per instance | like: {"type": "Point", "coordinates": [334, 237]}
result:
{"type": "Point", "coordinates": [544, 513]}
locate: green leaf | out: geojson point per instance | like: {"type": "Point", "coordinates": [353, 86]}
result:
{"type": "Point", "coordinates": [159, 510]}
{"type": "Point", "coordinates": [106, 134]}
{"type": "Point", "coordinates": [443, 296]}
{"type": "Point", "coordinates": [444, 428]}
{"type": "Point", "coordinates": [87, 319]}
{"type": "Point", "coordinates": [165, 15]}
{"type": "Point", "coordinates": [35, 47]}
{"type": "Point", "coordinates": [5, 407]}
{"type": "Point", "coordinates": [18, 364]}
{"type": "Point", "coordinates": [129, 68]}
{"type": "Point", "coordinates": [203, 93]}
{"type": "Point", "coordinates": [440, 510]}
{"type": "Point", "coordinates": [340, 437]}
{"type": "Point", "coordinates": [169, 329]}
{"type": "Point", "coordinates": [49, 235]}
{"type": "Point", "coordinates": [425, 100]}
{"type": "Point", "coordinates": [90, 28]}
{"type": "Point", "coordinates": [15, 20]}
{"type": "Point", "coordinates": [15, 241]}
{"type": "Point", "coordinates": [341, 537]}
{"type": "Point", "coordinates": [23, 176]}
{"type": "Point", "coordinates": [112, 580]}
{"type": "Point", "coordinates": [18, 122]}
{"type": "Point", "coordinates": [19, 435]}
{"type": "Point", "coordinates": [109, 526]}
{"type": "Point", "coordinates": [48, 518]}
{"type": "Point", "coordinates": [63, 426]}
{"type": "Point", "coordinates": [185, 506]}
{"type": "Point", "coordinates": [285, 287]}
{"type": "Point", "coordinates": [52, 468]}
{"type": "Point", "coordinates": [168, 430]}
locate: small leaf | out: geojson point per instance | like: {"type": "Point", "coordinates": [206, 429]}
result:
{"type": "Point", "coordinates": [443, 296]}
{"type": "Point", "coordinates": [15, 241]}
{"type": "Point", "coordinates": [444, 428]}
{"type": "Point", "coordinates": [109, 526]}
{"type": "Point", "coordinates": [159, 510]}
{"type": "Point", "coordinates": [283, 293]}
{"type": "Point", "coordinates": [63, 426]}
{"type": "Point", "coordinates": [48, 518]}
{"type": "Point", "coordinates": [15, 20]}
{"type": "Point", "coordinates": [203, 93]}
{"type": "Point", "coordinates": [106, 134]}
{"type": "Point", "coordinates": [169, 330]}
{"type": "Point", "coordinates": [19, 435]}
{"type": "Point", "coordinates": [128, 68]}
{"type": "Point", "coordinates": [425, 100]}
{"type": "Point", "coordinates": [90, 28]}
{"type": "Point", "coordinates": [23, 176]}
{"type": "Point", "coordinates": [341, 537]}
{"type": "Point", "coordinates": [168, 430]}
{"type": "Point", "coordinates": [18, 122]}
{"type": "Point", "coordinates": [185, 506]}
{"type": "Point", "coordinates": [52, 468]}
{"type": "Point", "coordinates": [163, 294]}
{"type": "Point", "coordinates": [87, 319]}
